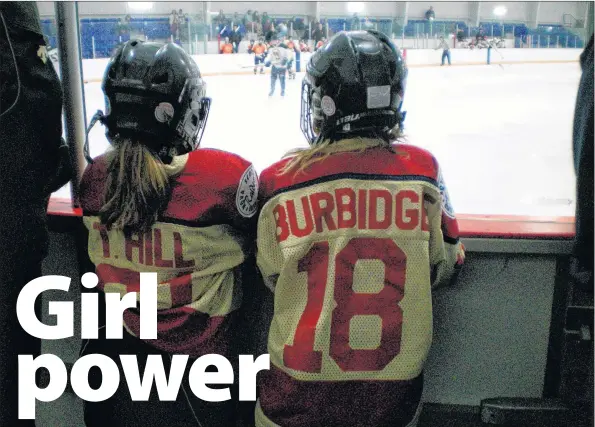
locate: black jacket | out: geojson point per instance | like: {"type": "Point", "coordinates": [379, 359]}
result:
{"type": "Point", "coordinates": [583, 164]}
{"type": "Point", "coordinates": [236, 37]}
{"type": "Point", "coordinates": [317, 35]}
{"type": "Point", "coordinates": [30, 136]}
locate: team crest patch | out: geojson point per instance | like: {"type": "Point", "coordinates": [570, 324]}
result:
{"type": "Point", "coordinates": [446, 204]}
{"type": "Point", "coordinates": [247, 194]}
{"type": "Point", "coordinates": [42, 53]}
{"type": "Point", "coordinates": [328, 106]}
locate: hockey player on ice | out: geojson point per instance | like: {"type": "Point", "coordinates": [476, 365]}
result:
{"type": "Point", "coordinates": [354, 235]}
{"type": "Point", "coordinates": [442, 44]}
{"type": "Point", "coordinates": [227, 47]}
{"type": "Point", "coordinates": [259, 50]}
{"type": "Point", "coordinates": [277, 59]}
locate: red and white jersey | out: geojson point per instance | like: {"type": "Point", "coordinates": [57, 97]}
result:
{"type": "Point", "coordinates": [196, 248]}
{"type": "Point", "coordinates": [351, 247]}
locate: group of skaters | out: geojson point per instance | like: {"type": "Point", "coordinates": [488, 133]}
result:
{"type": "Point", "coordinates": [481, 42]}
{"type": "Point", "coordinates": [280, 56]}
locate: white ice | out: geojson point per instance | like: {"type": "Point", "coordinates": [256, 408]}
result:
{"type": "Point", "coordinates": [503, 136]}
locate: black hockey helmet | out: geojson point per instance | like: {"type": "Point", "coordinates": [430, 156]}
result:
{"type": "Point", "coordinates": [354, 85]}
{"type": "Point", "coordinates": [154, 93]}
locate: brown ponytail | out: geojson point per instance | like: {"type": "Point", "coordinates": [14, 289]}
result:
{"type": "Point", "coordinates": [137, 188]}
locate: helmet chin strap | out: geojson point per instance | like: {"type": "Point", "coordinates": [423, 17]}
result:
{"type": "Point", "coordinates": [97, 117]}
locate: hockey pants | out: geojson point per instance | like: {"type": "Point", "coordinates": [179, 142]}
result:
{"type": "Point", "coordinates": [280, 74]}
{"type": "Point", "coordinates": [446, 55]}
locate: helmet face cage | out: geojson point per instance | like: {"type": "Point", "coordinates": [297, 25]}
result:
{"type": "Point", "coordinates": [306, 119]}
{"type": "Point", "coordinates": [191, 126]}
{"type": "Point", "coordinates": [203, 115]}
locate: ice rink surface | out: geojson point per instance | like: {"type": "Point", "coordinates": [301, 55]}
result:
{"type": "Point", "coordinates": [503, 136]}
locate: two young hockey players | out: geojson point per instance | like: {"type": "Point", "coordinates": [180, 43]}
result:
{"type": "Point", "coordinates": [352, 235]}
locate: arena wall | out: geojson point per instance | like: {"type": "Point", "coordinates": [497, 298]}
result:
{"type": "Point", "coordinates": [549, 12]}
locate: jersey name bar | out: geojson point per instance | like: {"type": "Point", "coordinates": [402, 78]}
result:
{"type": "Point", "coordinates": [150, 247]}
{"type": "Point", "coordinates": [344, 208]}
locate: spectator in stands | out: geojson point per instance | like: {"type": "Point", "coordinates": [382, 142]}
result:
{"type": "Point", "coordinates": [368, 25]}
{"type": "Point", "coordinates": [460, 35]}
{"type": "Point", "coordinates": [173, 24]}
{"type": "Point", "coordinates": [30, 138]}
{"type": "Point", "coordinates": [270, 34]}
{"type": "Point", "coordinates": [290, 25]}
{"type": "Point", "coordinates": [249, 22]}
{"type": "Point", "coordinates": [397, 27]}
{"type": "Point", "coordinates": [225, 32]}
{"type": "Point", "coordinates": [123, 28]}
{"type": "Point", "coordinates": [355, 24]}
{"type": "Point", "coordinates": [199, 26]}
{"type": "Point", "coordinates": [282, 30]}
{"type": "Point", "coordinates": [317, 34]}
{"type": "Point", "coordinates": [298, 24]}
{"type": "Point", "coordinates": [181, 17]}
{"type": "Point", "coordinates": [264, 19]}
{"type": "Point", "coordinates": [480, 35]}
{"type": "Point", "coordinates": [235, 20]}
{"type": "Point", "coordinates": [220, 20]}
{"type": "Point", "coordinates": [256, 19]}
{"type": "Point", "coordinates": [236, 38]}
{"type": "Point", "coordinates": [266, 27]}
{"type": "Point", "coordinates": [430, 14]}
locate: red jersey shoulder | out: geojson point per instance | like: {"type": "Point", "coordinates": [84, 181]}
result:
{"type": "Point", "coordinates": [406, 160]}
{"type": "Point", "coordinates": [92, 185]}
{"type": "Point", "coordinates": [269, 177]}
{"type": "Point", "coordinates": [225, 167]}
{"type": "Point", "coordinates": [215, 178]}
{"type": "Point", "coordinates": [417, 159]}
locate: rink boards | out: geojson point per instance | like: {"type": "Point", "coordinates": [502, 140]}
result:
{"type": "Point", "coordinates": [242, 63]}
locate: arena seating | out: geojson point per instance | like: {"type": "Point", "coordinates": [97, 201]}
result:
{"type": "Point", "coordinates": [105, 33]}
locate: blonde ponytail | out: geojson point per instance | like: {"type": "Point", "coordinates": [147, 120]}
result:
{"type": "Point", "coordinates": [302, 158]}
{"type": "Point", "coordinates": [137, 188]}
